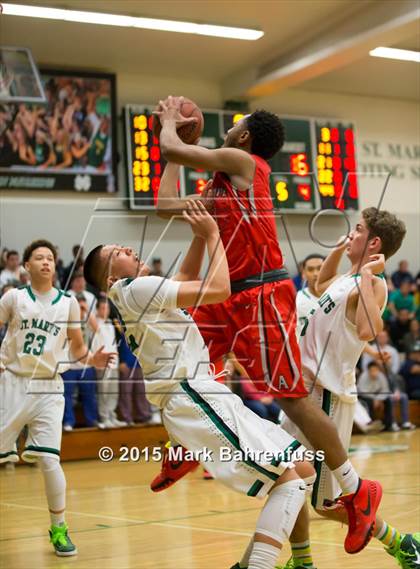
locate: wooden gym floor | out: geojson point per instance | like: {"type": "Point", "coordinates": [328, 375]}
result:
{"type": "Point", "coordinates": [117, 523]}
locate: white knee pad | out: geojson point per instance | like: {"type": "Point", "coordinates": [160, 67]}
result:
{"type": "Point", "coordinates": [279, 514]}
{"type": "Point", "coordinates": [48, 463]}
{"type": "Point", "coordinates": [55, 482]}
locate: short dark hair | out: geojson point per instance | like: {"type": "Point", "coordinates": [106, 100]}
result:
{"type": "Point", "coordinates": [267, 133]}
{"type": "Point", "coordinates": [387, 227]}
{"type": "Point", "coordinates": [75, 249]}
{"type": "Point", "coordinates": [11, 253]}
{"type": "Point", "coordinates": [312, 256]}
{"type": "Point", "coordinates": [92, 269]}
{"type": "Point", "coordinates": [373, 364]}
{"type": "Point", "coordinates": [36, 245]}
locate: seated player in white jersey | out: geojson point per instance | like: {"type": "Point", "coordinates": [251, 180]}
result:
{"type": "Point", "coordinates": [247, 453]}
{"type": "Point", "coordinates": [42, 321]}
{"type": "Point", "coordinates": [347, 315]}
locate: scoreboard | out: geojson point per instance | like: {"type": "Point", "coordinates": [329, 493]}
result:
{"type": "Point", "coordinates": [316, 168]}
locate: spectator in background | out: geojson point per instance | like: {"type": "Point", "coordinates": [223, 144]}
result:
{"type": "Point", "coordinates": [8, 286]}
{"type": "Point", "coordinates": [412, 336]}
{"type": "Point", "coordinates": [381, 347]}
{"type": "Point", "coordinates": [61, 149]}
{"type": "Point", "coordinates": [399, 327]}
{"type": "Point", "coordinates": [410, 371]}
{"type": "Point", "coordinates": [402, 299]}
{"type": "Point", "coordinates": [364, 422]}
{"type": "Point", "coordinates": [133, 406]}
{"type": "Point", "coordinates": [389, 284]}
{"type": "Point", "coordinates": [3, 258]}
{"type": "Point", "coordinates": [261, 403]}
{"type": "Point", "coordinates": [3, 290]}
{"type": "Point", "coordinates": [374, 390]}
{"type": "Point", "coordinates": [107, 379]}
{"type": "Point", "coordinates": [82, 376]}
{"type": "Point", "coordinates": [59, 266]}
{"type": "Point", "coordinates": [78, 286]}
{"type": "Point", "coordinates": [156, 267]}
{"type": "Point", "coordinates": [13, 270]}
{"type": "Point", "coordinates": [76, 263]}
{"type": "Point", "coordinates": [44, 155]}
{"type": "Point", "coordinates": [402, 274]}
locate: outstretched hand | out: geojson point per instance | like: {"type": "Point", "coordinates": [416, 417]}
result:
{"type": "Point", "coordinates": [375, 265]}
{"type": "Point", "coordinates": [207, 196]}
{"type": "Point", "coordinates": [102, 360]}
{"type": "Point", "coordinates": [170, 109]}
{"type": "Point", "coordinates": [202, 223]}
{"type": "Point", "coordinates": [342, 242]}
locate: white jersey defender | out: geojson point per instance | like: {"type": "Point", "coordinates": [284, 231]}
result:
{"type": "Point", "coordinates": [198, 412]}
{"type": "Point", "coordinates": [330, 349]}
{"type": "Point", "coordinates": [305, 302]}
{"type": "Point", "coordinates": [33, 353]}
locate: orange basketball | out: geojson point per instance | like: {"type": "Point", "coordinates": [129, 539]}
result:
{"type": "Point", "coordinates": [188, 133]}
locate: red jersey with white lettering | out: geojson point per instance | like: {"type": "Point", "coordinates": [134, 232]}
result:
{"type": "Point", "coordinates": [247, 224]}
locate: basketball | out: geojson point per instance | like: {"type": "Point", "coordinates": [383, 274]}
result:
{"type": "Point", "coordinates": [188, 133]}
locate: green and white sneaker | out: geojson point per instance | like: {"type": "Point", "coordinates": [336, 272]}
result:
{"type": "Point", "coordinates": [408, 551]}
{"type": "Point", "coordinates": [61, 541]}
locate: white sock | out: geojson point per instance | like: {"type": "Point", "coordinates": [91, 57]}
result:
{"type": "Point", "coordinates": [263, 556]}
{"type": "Point", "coordinates": [309, 483]}
{"type": "Point", "coordinates": [347, 477]}
{"type": "Point", "coordinates": [55, 488]}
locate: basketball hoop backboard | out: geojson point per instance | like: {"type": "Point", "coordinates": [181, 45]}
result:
{"type": "Point", "coordinates": [20, 81]}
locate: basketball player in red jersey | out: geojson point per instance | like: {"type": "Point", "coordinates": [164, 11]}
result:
{"type": "Point", "coordinates": [258, 321]}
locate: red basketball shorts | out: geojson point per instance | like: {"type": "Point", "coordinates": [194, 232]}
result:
{"type": "Point", "coordinates": [259, 326]}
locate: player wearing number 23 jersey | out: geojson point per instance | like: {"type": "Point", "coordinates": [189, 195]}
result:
{"type": "Point", "coordinates": [42, 321]}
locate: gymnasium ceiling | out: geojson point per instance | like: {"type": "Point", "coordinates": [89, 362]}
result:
{"type": "Point", "coordinates": [308, 44]}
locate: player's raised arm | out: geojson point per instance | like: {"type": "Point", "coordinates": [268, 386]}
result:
{"type": "Point", "coordinates": [232, 161]}
{"type": "Point", "coordinates": [371, 299]}
{"type": "Point", "coordinates": [215, 287]}
{"type": "Point", "coordinates": [169, 203]}
{"type": "Point", "coordinates": [328, 272]}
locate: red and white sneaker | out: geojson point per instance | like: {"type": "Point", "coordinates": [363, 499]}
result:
{"type": "Point", "coordinates": [172, 470]}
{"type": "Point", "coordinates": [207, 475]}
{"type": "Point", "coordinates": [361, 510]}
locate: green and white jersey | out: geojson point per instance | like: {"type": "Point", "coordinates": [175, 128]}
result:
{"type": "Point", "coordinates": [36, 342]}
{"type": "Point", "coordinates": [329, 344]}
{"type": "Point", "coordinates": [165, 339]}
{"type": "Point", "coordinates": [305, 302]}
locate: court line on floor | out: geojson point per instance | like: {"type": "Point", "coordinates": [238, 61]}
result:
{"type": "Point", "coordinates": [169, 524]}
{"type": "Point", "coordinates": [249, 534]}
{"type": "Point", "coordinates": [136, 521]}
{"type": "Point", "coordinates": [73, 513]}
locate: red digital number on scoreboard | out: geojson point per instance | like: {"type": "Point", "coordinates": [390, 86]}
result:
{"type": "Point", "coordinates": [336, 165]}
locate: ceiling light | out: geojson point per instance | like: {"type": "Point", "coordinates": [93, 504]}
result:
{"type": "Point", "coordinates": [392, 53]}
{"type": "Point", "coordinates": [131, 22]}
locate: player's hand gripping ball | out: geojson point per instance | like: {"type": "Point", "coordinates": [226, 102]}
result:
{"type": "Point", "coordinates": [188, 116]}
